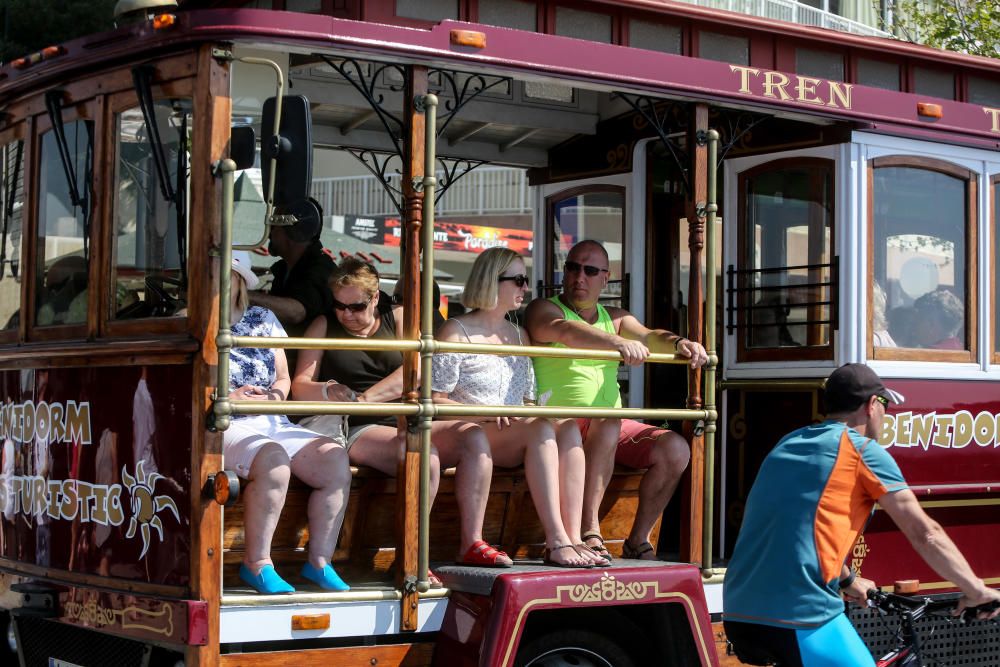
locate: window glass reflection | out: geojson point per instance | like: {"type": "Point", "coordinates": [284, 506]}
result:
{"type": "Point", "coordinates": [64, 211]}
{"type": "Point", "coordinates": [918, 292]}
{"type": "Point", "coordinates": [11, 217]}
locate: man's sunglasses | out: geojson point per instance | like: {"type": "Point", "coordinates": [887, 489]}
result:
{"type": "Point", "coordinates": [576, 267]}
{"type": "Point", "coordinates": [353, 307]}
{"type": "Point", "coordinates": [882, 399]}
{"type": "Point", "coordinates": [520, 279]}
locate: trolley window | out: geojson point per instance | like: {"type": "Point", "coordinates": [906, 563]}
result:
{"type": "Point", "coordinates": [784, 285]}
{"type": "Point", "coordinates": [149, 228]}
{"type": "Point", "coordinates": [596, 213]}
{"type": "Point", "coordinates": [922, 289]}
{"type": "Point", "coordinates": [12, 158]}
{"type": "Point", "coordinates": [65, 213]}
{"type": "Point", "coordinates": [995, 200]}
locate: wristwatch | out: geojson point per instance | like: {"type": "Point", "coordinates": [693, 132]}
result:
{"type": "Point", "coordinates": [848, 580]}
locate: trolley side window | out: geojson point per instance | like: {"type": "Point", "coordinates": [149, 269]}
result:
{"type": "Point", "coordinates": [12, 157]}
{"type": "Point", "coordinates": [784, 283]}
{"type": "Point", "coordinates": [65, 209]}
{"type": "Point", "coordinates": [995, 200]}
{"type": "Point", "coordinates": [922, 290]}
{"type": "Point", "coordinates": [596, 213]}
{"type": "Point", "coordinates": [149, 228]}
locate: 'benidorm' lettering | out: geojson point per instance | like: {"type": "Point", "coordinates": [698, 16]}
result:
{"type": "Point", "coordinates": [46, 422]}
{"type": "Point", "coordinates": [807, 89]}
{"type": "Point", "coordinates": [954, 431]}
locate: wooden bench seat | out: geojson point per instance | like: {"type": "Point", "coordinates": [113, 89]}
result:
{"type": "Point", "coordinates": [366, 549]}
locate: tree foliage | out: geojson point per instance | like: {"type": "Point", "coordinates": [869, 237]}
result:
{"type": "Point", "coordinates": [31, 25]}
{"type": "Point", "coordinates": [967, 26]}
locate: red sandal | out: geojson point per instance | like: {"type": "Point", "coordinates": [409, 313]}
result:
{"type": "Point", "coordinates": [481, 554]}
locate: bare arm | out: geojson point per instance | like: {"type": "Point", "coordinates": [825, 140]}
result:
{"type": "Point", "coordinates": [286, 309]}
{"type": "Point", "coordinates": [546, 324]}
{"type": "Point", "coordinates": [659, 340]}
{"type": "Point", "coordinates": [936, 548]}
{"type": "Point", "coordinates": [305, 385]}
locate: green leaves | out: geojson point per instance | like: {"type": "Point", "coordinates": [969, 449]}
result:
{"type": "Point", "coordinates": [966, 26]}
{"type": "Point", "coordinates": [31, 25]}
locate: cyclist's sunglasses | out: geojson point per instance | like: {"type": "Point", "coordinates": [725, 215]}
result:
{"type": "Point", "coordinates": [882, 399]}
{"type": "Point", "coordinates": [576, 267]}
{"type": "Point", "coordinates": [353, 307]}
{"type": "Point", "coordinates": [520, 279]}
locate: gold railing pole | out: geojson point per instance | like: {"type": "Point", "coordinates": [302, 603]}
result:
{"type": "Point", "coordinates": [427, 306]}
{"type": "Point", "coordinates": [221, 406]}
{"type": "Point", "coordinates": [710, 370]}
{"type": "Point", "coordinates": [441, 346]}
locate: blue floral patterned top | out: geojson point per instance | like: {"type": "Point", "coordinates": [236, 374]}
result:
{"type": "Point", "coordinates": [251, 365]}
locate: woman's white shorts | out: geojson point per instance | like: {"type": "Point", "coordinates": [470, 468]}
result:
{"type": "Point", "coordinates": [246, 435]}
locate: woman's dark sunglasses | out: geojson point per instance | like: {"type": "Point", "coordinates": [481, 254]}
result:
{"type": "Point", "coordinates": [520, 279]}
{"type": "Point", "coordinates": [576, 267]}
{"type": "Point", "coordinates": [353, 307]}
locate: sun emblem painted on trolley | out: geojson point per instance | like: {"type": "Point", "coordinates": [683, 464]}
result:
{"type": "Point", "coordinates": [146, 505]}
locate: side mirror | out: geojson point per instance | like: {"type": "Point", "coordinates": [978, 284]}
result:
{"type": "Point", "coordinates": [242, 146]}
{"type": "Point", "coordinates": [289, 151]}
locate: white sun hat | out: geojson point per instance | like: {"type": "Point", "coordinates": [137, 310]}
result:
{"type": "Point", "coordinates": [242, 266]}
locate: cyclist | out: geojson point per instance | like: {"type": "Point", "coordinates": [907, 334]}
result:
{"type": "Point", "coordinates": [814, 493]}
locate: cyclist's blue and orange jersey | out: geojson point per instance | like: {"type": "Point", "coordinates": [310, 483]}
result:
{"type": "Point", "coordinates": [813, 496]}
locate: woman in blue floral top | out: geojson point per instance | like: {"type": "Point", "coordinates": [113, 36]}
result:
{"type": "Point", "coordinates": [267, 449]}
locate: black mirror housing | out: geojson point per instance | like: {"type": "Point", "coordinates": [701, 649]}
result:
{"type": "Point", "coordinates": [243, 146]}
{"type": "Point", "coordinates": [291, 148]}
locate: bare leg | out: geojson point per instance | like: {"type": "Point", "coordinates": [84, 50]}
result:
{"type": "Point", "coordinates": [323, 465]}
{"type": "Point", "coordinates": [572, 475]}
{"type": "Point", "coordinates": [382, 448]}
{"type": "Point", "coordinates": [669, 459]}
{"type": "Point", "coordinates": [465, 446]}
{"type": "Point", "coordinates": [262, 502]}
{"type": "Point", "coordinates": [533, 441]}
{"type": "Point", "coordinates": [599, 448]}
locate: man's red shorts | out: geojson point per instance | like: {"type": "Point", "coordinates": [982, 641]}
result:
{"type": "Point", "coordinates": [635, 442]}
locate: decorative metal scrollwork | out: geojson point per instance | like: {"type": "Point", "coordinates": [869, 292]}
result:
{"type": "Point", "coordinates": [378, 165]}
{"type": "Point", "coordinates": [666, 119]}
{"type": "Point", "coordinates": [356, 73]}
{"type": "Point", "coordinates": [471, 87]}
{"type": "Point", "coordinates": [738, 128]}
{"type": "Point", "coordinates": [451, 171]}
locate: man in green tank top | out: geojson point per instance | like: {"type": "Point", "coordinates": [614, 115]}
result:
{"type": "Point", "coordinates": [574, 318]}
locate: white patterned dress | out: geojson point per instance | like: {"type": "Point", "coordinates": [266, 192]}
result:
{"type": "Point", "coordinates": [484, 379]}
{"type": "Point", "coordinates": [256, 367]}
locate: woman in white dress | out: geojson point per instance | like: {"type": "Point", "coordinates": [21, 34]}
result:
{"type": "Point", "coordinates": [267, 449]}
{"type": "Point", "coordinates": [551, 452]}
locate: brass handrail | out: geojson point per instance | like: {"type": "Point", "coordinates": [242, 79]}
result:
{"type": "Point", "coordinates": [436, 346]}
{"type": "Point", "coordinates": [422, 410]}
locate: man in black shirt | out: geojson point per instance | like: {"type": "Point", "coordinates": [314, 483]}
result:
{"type": "Point", "coordinates": [299, 291]}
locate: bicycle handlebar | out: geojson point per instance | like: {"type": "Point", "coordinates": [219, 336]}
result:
{"type": "Point", "coordinates": [918, 606]}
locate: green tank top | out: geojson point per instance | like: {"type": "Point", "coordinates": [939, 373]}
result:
{"type": "Point", "coordinates": [579, 382]}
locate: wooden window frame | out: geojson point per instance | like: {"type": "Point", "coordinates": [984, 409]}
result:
{"type": "Point", "coordinates": [993, 205]}
{"type": "Point", "coordinates": [91, 109]}
{"type": "Point", "coordinates": [550, 209]}
{"type": "Point", "coordinates": [19, 131]}
{"type": "Point", "coordinates": [744, 353]}
{"type": "Point", "coordinates": [109, 326]}
{"type": "Point", "coordinates": [971, 281]}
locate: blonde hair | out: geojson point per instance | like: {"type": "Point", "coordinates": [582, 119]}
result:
{"type": "Point", "coordinates": [353, 272]}
{"type": "Point", "coordinates": [242, 296]}
{"type": "Point", "coordinates": [481, 290]}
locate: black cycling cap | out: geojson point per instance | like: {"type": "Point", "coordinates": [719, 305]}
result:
{"type": "Point", "coordinates": [851, 385]}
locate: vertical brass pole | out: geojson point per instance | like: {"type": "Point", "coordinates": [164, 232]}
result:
{"type": "Point", "coordinates": [223, 341]}
{"type": "Point", "coordinates": [427, 306]}
{"type": "Point", "coordinates": [711, 369]}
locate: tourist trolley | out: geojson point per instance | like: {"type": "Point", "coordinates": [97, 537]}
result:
{"type": "Point", "coordinates": [794, 198]}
